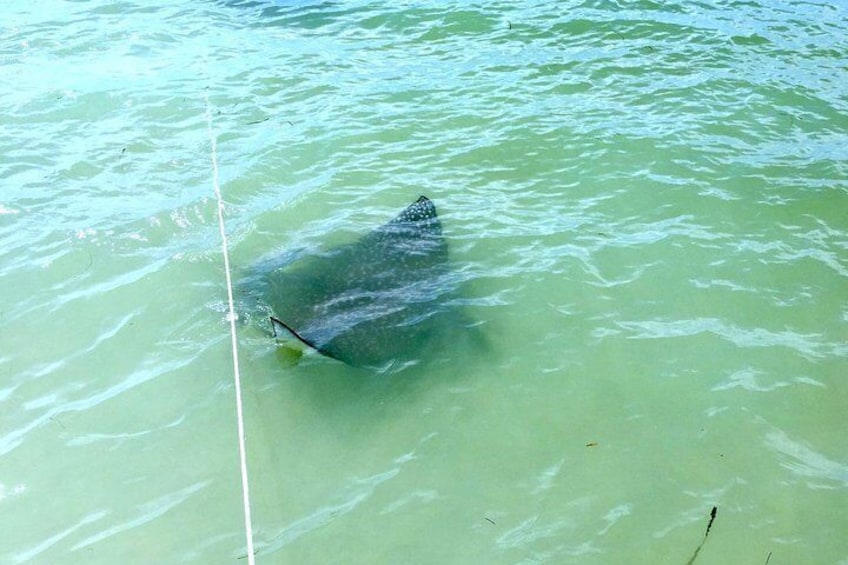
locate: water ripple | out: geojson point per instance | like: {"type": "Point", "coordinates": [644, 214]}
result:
{"type": "Point", "coordinates": [611, 177]}
{"type": "Point", "coordinates": [808, 345]}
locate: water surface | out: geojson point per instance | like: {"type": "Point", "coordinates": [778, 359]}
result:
{"type": "Point", "coordinates": [647, 202]}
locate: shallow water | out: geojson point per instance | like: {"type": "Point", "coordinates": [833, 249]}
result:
{"type": "Point", "coordinates": [648, 205]}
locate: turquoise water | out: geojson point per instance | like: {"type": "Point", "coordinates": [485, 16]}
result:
{"type": "Point", "coordinates": [648, 203]}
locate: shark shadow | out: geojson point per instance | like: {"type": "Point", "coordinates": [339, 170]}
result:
{"type": "Point", "coordinates": [382, 301]}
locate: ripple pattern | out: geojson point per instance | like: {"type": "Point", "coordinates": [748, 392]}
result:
{"type": "Point", "coordinates": [646, 204]}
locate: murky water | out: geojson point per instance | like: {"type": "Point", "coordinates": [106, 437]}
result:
{"type": "Point", "coordinates": [647, 205]}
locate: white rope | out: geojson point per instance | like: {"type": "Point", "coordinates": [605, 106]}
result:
{"type": "Point", "coordinates": [231, 316]}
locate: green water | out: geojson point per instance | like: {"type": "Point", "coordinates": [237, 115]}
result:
{"type": "Point", "coordinates": [647, 201]}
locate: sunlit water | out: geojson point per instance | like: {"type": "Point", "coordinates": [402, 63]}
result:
{"type": "Point", "coordinates": [648, 203]}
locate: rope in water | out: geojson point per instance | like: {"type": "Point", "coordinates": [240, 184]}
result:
{"type": "Point", "coordinates": [231, 316]}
